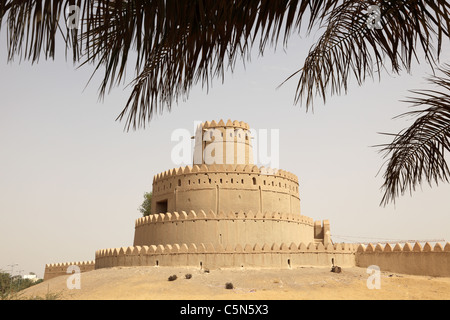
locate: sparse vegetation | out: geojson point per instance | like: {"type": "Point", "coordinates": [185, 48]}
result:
{"type": "Point", "coordinates": [10, 286]}
{"type": "Point", "coordinates": [188, 276]}
{"type": "Point", "coordinates": [146, 206]}
{"type": "Point", "coordinates": [229, 285]}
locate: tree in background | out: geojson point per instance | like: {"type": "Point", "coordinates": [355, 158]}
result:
{"type": "Point", "coordinates": [10, 286]}
{"type": "Point", "coordinates": [146, 206]}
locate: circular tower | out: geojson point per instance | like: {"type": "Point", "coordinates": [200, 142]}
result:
{"type": "Point", "coordinates": [224, 199]}
{"type": "Point", "coordinates": [223, 143]}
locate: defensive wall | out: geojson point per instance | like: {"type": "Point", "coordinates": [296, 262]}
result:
{"type": "Point", "coordinates": [231, 228]}
{"type": "Point", "coordinates": [58, 269]}
{"type": "Point", "coordinates": [225, 188]}
{"type": "Point", "coordinates": [407, 259]}
{"type": "Point", "coordinates": [238, 215]}
{"type": "Point", "coordinates": [213, 257]}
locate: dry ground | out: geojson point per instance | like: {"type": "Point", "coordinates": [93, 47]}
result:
{"type": "Point", "coordinates": [255, 284]}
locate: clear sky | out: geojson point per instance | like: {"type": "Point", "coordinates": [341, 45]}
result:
{"type": "Point", "coordinates": [71, 179]}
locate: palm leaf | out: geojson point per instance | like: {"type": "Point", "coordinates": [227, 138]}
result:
{"type": "Point", "coordinates": [189, 42]}
{"type": "Point", "coordinates": [417, 154]}
{"type": "Point", "coordinates": [220, 32]}
{"type": "Point", "coordinates": [348, 47]}
{"type": "Point", "coordinates": [176, 44]}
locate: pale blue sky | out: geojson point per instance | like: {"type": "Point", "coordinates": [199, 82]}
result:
{"type": "Point", "coordinates": [71, 179]}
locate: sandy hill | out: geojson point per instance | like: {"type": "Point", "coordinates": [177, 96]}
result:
{"type": "Point", "coordinates": [253, 284]}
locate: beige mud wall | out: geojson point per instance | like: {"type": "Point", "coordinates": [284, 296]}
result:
{"type": "Point", "coordinates": [222, 229]}
{"type": "Point", "coordinates": [212, 257]}
{"type": "Point", "coordinates": [225, 188]}
{"type": "Point", "coordinates": [415, 260]}
{"type": "Point", "coordinates": [59, 269]}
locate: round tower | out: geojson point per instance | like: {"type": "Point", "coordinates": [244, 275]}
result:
{"type": "Point", "coordinates": [224, 211]}
{"type": "Point", "coordinates": [223, 143]}
{"type": "Point", "coordinates": [224, 178]}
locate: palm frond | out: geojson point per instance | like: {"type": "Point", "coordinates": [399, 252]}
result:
{"type": "Point", "coordinates": [174, 45]}
{"type": "Point", "coordinates": [417, 154]}
{"type": "Point", "coordinates": [348, 47]}
{"type": "Point", "coordinates": [219, 33]}
{"type": "Point", "coordinates": [184, 43]}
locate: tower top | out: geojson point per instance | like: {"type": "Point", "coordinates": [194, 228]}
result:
{"type": "Point", "coordinates": [229, 124]}
{"type": "Point", "coordinates": [223, 143]}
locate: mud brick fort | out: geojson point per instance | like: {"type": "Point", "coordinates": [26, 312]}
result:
{"type": "Point", "coordinates": [225, 212]}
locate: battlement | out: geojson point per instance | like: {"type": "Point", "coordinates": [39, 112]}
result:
{"type": "Point", "coordinates": [53, 270]}
{"type": "Point", "coordinates": [210, 248]}
{"type": "Point", "coordinates": [225, 188]}
{"type": "Point", "coordinates": [67, 264]}
{"type": "Point", "coordinates": [229, 124]}
{"type": "Point", "coordinates": [407, 247]}
{"type": "Point", "coordinates": [231, 215]}
{"type": "Point", "coordinates": [229, 227]}
{"type": "Point", "coordinates": [408, 259]}
{"type": "Point", "coordinates": [224, 168]}
{"type": "Point", "coordinates": [215, 256]}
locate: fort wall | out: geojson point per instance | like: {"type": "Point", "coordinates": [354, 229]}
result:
{"type": "Point", "coordinates": [238, 215]}
{"type": "Point", "coordinates": [59, 269]}
{"type": "Point", "coordinates": [225, 188]}
{"type": "Point", "coordinates": [407, 259]}
{"type": "Point", "coordinates": [213, 257]}
{"type": "Point", "coordinates": [230, 228]}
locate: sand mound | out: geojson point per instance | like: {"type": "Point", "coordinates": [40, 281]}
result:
{"type": "Point", "coordinates": [253, 284]}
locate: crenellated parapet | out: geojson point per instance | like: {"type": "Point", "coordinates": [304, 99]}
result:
{"type": "Point", "coordinates": [407, 247]}
{"type": "Point", "coordinates": [53, 270]}
{"type": "Point", "coordinates": [230, 215]}
{"type": "Point", "coordinates": [409, 258]}
{"type": "Point", "coordinates": [223, 228]}
{"type": "Point", "coordinates": [225, 188]}
{"type": "Point", "coordinates": [222, 124]}
{"type": "Point", "coordinates": [216, 256]}
{"type": "Point", "coordinates": [249, 169]}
